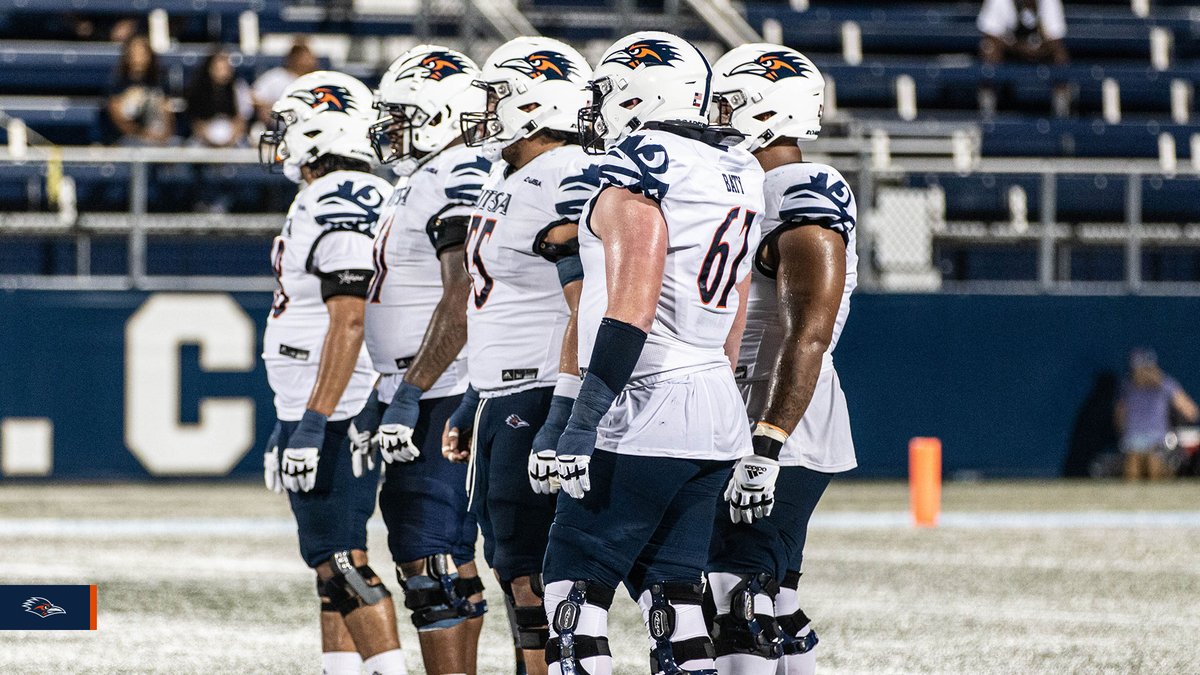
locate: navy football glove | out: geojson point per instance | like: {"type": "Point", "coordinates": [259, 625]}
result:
{"type": "Point", "coordinates": [299, 462]}
{"type": "Point", "coordinates": [397, 425]}
{"type": "Point", "coordinates": [362, 429]}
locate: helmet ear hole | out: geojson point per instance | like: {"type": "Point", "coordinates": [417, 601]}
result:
{"type": "Point", "coordinates": [764, 116]}
{"type": "Point", "coordinates": [437, 119]}
{"type": "Point", "coordinates": [631, 103]}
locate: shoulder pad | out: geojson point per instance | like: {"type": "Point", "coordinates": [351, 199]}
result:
{"type": "Point", "coordinates": [637, 164]}
{"type": "Point", "coordinates": [575, 190]}
{"type": "Point", "coordinates": [346, 204]}
{"type": "Point", "coordinates": [466, 180]}
{"type": "Point", "coordinates": [821, 197]}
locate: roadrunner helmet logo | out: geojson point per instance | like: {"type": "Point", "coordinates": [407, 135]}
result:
{"type": "Point", "coordinates": [648, 52]}
{"type": "Point", "coordinates": [543, 63]}
{"type": "Point", "coordinates": [42, 607]}
{"type": "Point", "coordinates": [774, 66]}
{"type": "Point", "coordinates": [434, 66]}
{"type": "Point", "coordinates": [330, 95]}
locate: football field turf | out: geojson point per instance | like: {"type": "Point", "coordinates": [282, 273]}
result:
{"type": "Point", "coordinates": [1029, 577]}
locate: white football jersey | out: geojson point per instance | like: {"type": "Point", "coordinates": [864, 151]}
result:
{"type": "Point", "coordinates": [712, 200]}
{"type": "Point", "coordinates": [408, 279]}
{"type": "Point", "coordinates": [817, 195]}
{"type": "Point", "coordinates": [517, 315]}
{"type": "Point", "coordinates": [329, 229]}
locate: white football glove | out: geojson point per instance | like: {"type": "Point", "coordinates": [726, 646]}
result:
{"type": "Point", "coordinates": [573, 474]}
{"type": "Point", "coordinates": [395, 443]}
{"type": "Point", "coordinates": [299, 469]}
{"type": "Point", "coordinates": [543, 472]}
{"type": "Point", "coordinates": [271, 470]}
{"type": "Point", "coordinates": [751, 491]}
{"type": "Point", "coordinates": [362, 452]}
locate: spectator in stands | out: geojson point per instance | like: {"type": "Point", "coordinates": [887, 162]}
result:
{"type": "Point", "coordinates": [270, 85]}
{"type": "Point", "coordinates": [1143, 415]}
{"type": "Point", "coordinates": [1029, 31]}
{"type": "Point", "coordinates": [219, 104]}
{"type": "Point", "coordinates": [138, 105]}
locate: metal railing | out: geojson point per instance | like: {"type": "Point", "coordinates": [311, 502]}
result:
{"type": "Point", "coordinates": [899, 225]}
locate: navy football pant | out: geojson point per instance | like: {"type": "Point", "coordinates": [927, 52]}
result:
{"type": "Point", "coordinates": [514, 520]}
{"type": "Point", "coordinates": [333, 515]}
{"type": "Point", "coordinates": [774, 544]}
{"type": "Point", "coordinates": [424, 502]}
{"type": "Point", "coordinates": [645, 520]}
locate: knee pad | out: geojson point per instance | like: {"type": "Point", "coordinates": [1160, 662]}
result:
{"type": "Point", "coordinates": [576, 637]}
{"type": "Point", "coordinates": [348, 588]}
{"type": "Point", "coordinates": [530, 628]}
{"type": "Point", "coordinates": [746, 629]}
{"type": "Point", "coordinates": [675, 620]}
{"type": "Point", "coordinates": [438, 598]}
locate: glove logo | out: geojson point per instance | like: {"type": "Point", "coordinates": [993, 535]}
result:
{"type": "Point", "coordinates": [753, 472]}
{"type": "Point", "coordinates": [42, 607]}
{"type": "Point", "coordinates": [515, 421]}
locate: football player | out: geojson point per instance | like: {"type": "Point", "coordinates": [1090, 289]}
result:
{"type": "Point", "coordinates": [658, 422]}
{"type": "Point", "coordinates": [799, 301]}
{"type": "Point", "coordinates": [525, 271]}
{"type": "Point", "coordinates": [416, 326]}
{"type": "Point", "coordinates": [320, 373]}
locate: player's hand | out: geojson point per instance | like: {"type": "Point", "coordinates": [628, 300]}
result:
{"type": "Point", "coordinates": [298, 465]}
{"type": "Point", "coordinates": [575, 448]}
{"type": "Point", "coordinates": [271, 461]}
{"type": "Point", "coordinates": [543, 472]}
{"type": "Point", "coordinates": [543, 467]}
{"type": "Point", "coordinates": [362, 428]}
{"type": "Point", "coordinates": [397, 425]}
{"type": "Point", "coordinates": [751, 490]}
{"type": "Point", "coordinates": [456, 437]}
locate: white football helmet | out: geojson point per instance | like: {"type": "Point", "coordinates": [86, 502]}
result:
{"type": "Point", "coordinates": [328, 133]}
{"type": "Point", "coordinates": [422, 95]}
{"type": "Point", "coordinates": [645, 77]}
{"type": "Point", "coordinates": [306, 96]}
{"type": "Point", "coordinates": [532, 83]}
{"type": "Point", "coordinates": [768, 92]}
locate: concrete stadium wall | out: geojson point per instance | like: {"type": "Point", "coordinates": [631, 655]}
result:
{"type": "Point", "coordinates": [108, 385]}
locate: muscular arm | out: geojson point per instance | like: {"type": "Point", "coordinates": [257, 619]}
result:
{"type": "Point", "coordinates": [635, 251]}
{"type": "Point", "coordinates": [733, 343]}
{"type": "Point", "coordinates": [447, 330]}
{"type": "Point", "coordinates": [810, 280]}
{"type": "Point", "coordinates": [343, 342]}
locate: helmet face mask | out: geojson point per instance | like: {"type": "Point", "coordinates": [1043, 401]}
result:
{"type": "Point", "coordinates": [272, 152]}
{"type": "Point", "coordinates": [392, 136]}
{"type": "Point", "coordinates": [485, 126]}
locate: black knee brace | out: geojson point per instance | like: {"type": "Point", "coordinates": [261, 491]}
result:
{"type": "Point", "coordinates": [568, 649]}
{"type": "Point", "coordinates": [532, 629]}
{"type": "Point", "coordinates": [348, 588]}
{"type": "Point", "coordinates": [667, 654]}
{"type": "Point", "coordinates": [741, 631]}
{"type": "Point", "coordinates": [791, 625]}
{"type": "Point", "coordinates": [438, 597]}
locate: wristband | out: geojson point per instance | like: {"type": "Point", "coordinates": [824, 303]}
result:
{"type": "Point", "coordinates": [567, 385]}
{"type": "Point", "coordinates": [768, 440]}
